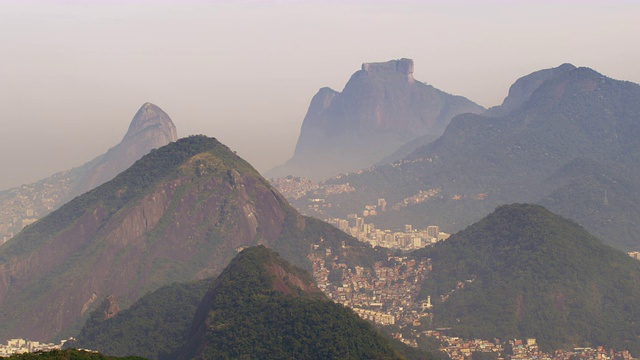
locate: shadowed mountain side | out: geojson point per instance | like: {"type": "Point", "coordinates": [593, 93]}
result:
{"type": "Point", "coordinates": [407, 149]}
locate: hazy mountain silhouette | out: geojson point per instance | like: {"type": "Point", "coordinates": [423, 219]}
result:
{"type": "Point", "coordinates": [381, 108]}
{"type": "Point", "coordinates": [150, 128]}
{"type": "Point", "coordinates": [541, 151]}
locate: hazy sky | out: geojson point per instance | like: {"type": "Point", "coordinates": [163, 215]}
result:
{"type": "Point", "coordinates": [73, 73]}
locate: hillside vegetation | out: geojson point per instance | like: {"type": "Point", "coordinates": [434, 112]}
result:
{"type": "Point", "coordinates": [259, 307]}
{"type": "Point", "coordinates": [525, 272]}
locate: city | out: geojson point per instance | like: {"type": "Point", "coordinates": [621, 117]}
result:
{"type": "Point", "coordinates": [21, 346]}
{"type": "Point", "coordinates": [387, 295]}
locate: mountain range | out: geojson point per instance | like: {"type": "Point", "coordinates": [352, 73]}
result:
{"type": "Point", "coordinates": [567, 138]}
{"type": "Point", "coordinates": [177, 251]}
{"type": "Point", "coordinates": [381, 108]}
{"type": "Point", "coordinates": [520, 272]}
{"type": "Point", "coordinates": [180, 213]}
{"type": "Point", "coordinates": [150, 128]}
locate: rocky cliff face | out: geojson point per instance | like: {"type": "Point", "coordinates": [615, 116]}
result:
{"type": "Point", "coordinates": [180, 213]}
{"type": "Point", "coordinates": [150, 128]}
{"type": "Point", "coordinates": [380, 109]}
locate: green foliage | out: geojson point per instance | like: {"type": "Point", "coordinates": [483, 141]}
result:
{"type": "Point", "coordinates": [335, 277]}
{"type": "Point", "coordinates": [526, 272]}
{"type": "Point", "coordinates": [245, 318]}
{"type": "Point", "coordinates": [240, 315]}
{"type": "Point", "coordinates": [480, 355]}
{"type": "Point", "coordinates": [70, 354]}
{"type": "Point", "coordinates": [428, 346]}
{"type": "Point", "coordinates": [155, 327]}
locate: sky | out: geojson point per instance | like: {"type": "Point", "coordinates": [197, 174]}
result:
{"type": "Point", "coordinates": [73, 73]}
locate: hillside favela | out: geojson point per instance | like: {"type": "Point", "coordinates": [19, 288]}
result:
{"type": "Point", "coordinates": [409, 180]}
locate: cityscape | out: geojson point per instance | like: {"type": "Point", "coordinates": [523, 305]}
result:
{"type": "Point", "coordinates": [22, 346]}
{"type": "Point", "coordinates": [388, 296]}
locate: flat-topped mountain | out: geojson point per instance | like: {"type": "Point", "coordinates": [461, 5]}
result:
{"type": "Point", "coordinates": [381, 108]}
{"type": "Point", "coordinates": [525, 272]}
{"type": "Point", "coordinates": [180, 213]}
{"type": "Point", "coordinates": [150, 128]}
{"type": "Point", "coordinates": [572, 144]}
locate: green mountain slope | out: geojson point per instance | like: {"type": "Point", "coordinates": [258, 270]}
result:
{"type": "Point", "coordinates": [259, 307]}
{"type": "Point", "coordinates": [154, 327]}
{"type": "Point", "coordinates": [180, 213]}
{"type": "Point", "coordinates": [525, 272]}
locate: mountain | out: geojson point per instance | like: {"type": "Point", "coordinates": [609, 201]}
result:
{"type": "Point", "coordinates": [150, 128]}
{"type": "Point", "coordinates": [155, 327]}
{"type": "Point", "coordinates": [407, 149]}
{"type": "Point", "coordinates": [572, 144]}
{"type": "Point", "coordinates": [381, 108]}
{"type": "Point", "coordinates": [523, 272]}
{"type": "Point", "coordinates": [260, 304]}
{"type": "Point", "coordinates": [523, 88]}
{"type": "Point", "coordinates": [178, 214]}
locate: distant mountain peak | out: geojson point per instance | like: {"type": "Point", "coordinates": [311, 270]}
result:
{"type": "Point", "coordinates": [150, 116]}
{"type": "Point", "coordinates": [150, 128]}
{"type": "Point", "coordinates": [403, 66]}
{"type": "Point", "coordinates": [520, 92]}
{"type": "Point", "coordinates": [380, 109]}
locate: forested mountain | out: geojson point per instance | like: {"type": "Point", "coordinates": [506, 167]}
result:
{"type": "Point", "coordinates": [381, 108]}
{"type": "Point", "coordinates": [180, 213]}
{"type": "Point", "coordinates": [150, 128]}
{"type": "Point", "coordinates": [523, 271]}
{"type": "Point", "coordinates": [572, 143]}
{"type": "Point", "coordinates": [259, 307]}
{"type": "Point", "coordinates": [155, 327]}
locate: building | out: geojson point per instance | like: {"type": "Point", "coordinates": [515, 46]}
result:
{"type": "Point", "coordinates": [433, 231]}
